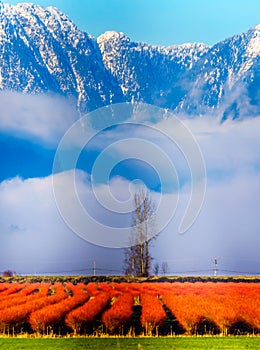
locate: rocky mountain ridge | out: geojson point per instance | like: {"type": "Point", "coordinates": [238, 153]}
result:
{"type": "Point", "coordinates": [41, 51]}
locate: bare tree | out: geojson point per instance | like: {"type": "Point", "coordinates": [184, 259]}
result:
{"type": "Point", "coordinates": [156, 268]}
{"type": "Point", "coordinates": [138, 257]}
{"type": "Point", "coordinates": [165, 268]}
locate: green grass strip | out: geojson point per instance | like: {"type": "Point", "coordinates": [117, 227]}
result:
{"type": "Point", "coordinates": [181, 343]}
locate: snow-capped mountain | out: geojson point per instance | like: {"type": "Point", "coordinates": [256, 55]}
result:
{"type": "Point", "coordinates": [148, 73]}
{"type": "Point", "coordinates": [41, 50]}
{"type": "Point", "coordinates": [191, 78]}
{"type": "Point", "coordinates": [227, 77]}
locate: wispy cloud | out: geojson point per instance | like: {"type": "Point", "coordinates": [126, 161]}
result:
{"type": "Point", "coordinates": [34, 237]}
{"type": "Point", "coordinates": [41, 117]}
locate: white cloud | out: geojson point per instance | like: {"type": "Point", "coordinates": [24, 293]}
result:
{"type": "Point", "coordinates": [44, 118]}
{"type": "Point", "coordinates": [228, 227]}
{"type": "Point", "coordinates": [34, 238]}
{"type": "Point", "coordinates": [230, 147]}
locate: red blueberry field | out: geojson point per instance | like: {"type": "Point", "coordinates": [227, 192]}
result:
{"type": "Point", "coordinates": [148, 308]}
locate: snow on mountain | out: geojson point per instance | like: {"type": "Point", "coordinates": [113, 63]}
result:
{"type": "Point", "coordinates": [190, 78]}
{"type": "Point", "coordinates": [148, 73]}
{"type": "Point", "coordinates": [41, 50]}
{"type": "Point", "coordinates": [227, 77]}
{"type": "Point", "coordinates": [253, 49]}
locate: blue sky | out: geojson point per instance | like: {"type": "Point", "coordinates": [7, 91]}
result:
{"type": "Point", "coordinates": [162, 22]}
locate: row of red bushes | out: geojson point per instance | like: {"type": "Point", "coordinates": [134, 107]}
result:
{"type": "Point", "coordinates": [77, 308]}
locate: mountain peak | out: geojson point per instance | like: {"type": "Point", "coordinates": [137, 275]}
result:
{"type": "Point", "coordinates": [256, 28]}
{"type": "Point", "coordinates": [253, 49]}
{"type": "Point", "coordinates": [112, 35]}
{"type": "Point", "coordinates": [25, 6]}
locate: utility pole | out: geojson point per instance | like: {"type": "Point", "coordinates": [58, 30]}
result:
{"type": "Point", "coordinates": [215, 266]}
{"type": "Point", "coordinates": [95, 267]}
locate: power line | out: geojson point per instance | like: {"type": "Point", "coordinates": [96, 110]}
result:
{"type": "Point", "coordinates": [101, 270]}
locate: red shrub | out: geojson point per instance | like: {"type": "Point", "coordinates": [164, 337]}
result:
{"type": "Point", "coordinates": [119, 313]}
{"type": "Point", "coordinates": [17, 315]}
{"type": "Point", "coordinates": [86, 313]}
{"type": "Point", "coordinates": [153, 313]}
{"type": "Point", "coordinates": [52, 315]}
